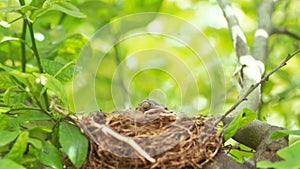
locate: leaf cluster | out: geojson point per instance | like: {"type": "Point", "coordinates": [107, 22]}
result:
{"type": "Point", "coordinates": [33, 135]}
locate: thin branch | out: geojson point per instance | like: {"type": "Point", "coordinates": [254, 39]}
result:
{"type": "Point", "coordinates": [251, 89]}
{"type": "Point", "coordinates": [25, 108]}
{"type": "Point", "coordinates": [30, 108]}
{"type": "Point", "coordinates": [282, 30]}
{"type": "Point", "coordinates": [21, 17]}
{"type": "Point", "coordinates": [105, 129]}
{"type": "Point", "coordinates": [63, 111]}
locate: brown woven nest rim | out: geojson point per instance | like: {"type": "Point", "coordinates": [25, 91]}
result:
{"type": "Point", "coordinates": [168, 140]}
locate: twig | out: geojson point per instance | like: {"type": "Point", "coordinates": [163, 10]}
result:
{"type": "Point", "coordinates": [56, 107]}
{"type": "Point", "coordinates": [282, 30]}
{"type": "Point", "coordinates": [131, 142]}
{"type": "Point", "coordinates": [265, 78]}
{"type": "Point", "coordinates": [24, 108]}
{"type": "Point", "coordinates": [63, 111]}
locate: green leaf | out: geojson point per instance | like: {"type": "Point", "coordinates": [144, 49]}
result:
{"type": "Point", "coordinates": [4, 122]}
{"type": "Point", "coordinates": [7, 163]}
{"type": "Point", "coordinates": [25, 78]}
{"type": "Point", "coordinates": [18, 149]}
{"type": "Point", "coordinates": [247, 116]}
{"type": "Point", "coordinates": [242, 119]}
{"type": "Point", "coordinates": [289, 154]}
{"type": "Point", "coordinates": [54, 85]}
{"type": "Point", "coordinates": [10, 9]}
{"type": "Point", "coordinates": [5, 80]}
{"type": "Point", "coordinates": [39, 129]}
{"type": "Point", "coordinates": [37, 3]}
{"type": "Point", "coordinates": [71, 47]}
{"type": "Point", "coordinates": [8, 136]}
{"type": "Point", "coordinates": [29, 116]}
{"type": "Point", "coordinates": [73, 142]}
{"type": "Point", "coordinates": [68, 9]}
{"type": "Point", "coordinates": [62, 6]}
{"type": "Point", "coordinates": [37, 143]}
{"type": "Point", "coordinates": [4, 109]}
{"type": "Point", "coordinates": [232, 127]}
{"type": "Point", "coordinates": [13, 96]}
{"type": "Point", "coordinates": [8, 38]}
{"type": "Point", "coordinates": [282, 133]}
{"type": "Point", "coordinates": [63, 72]}
{"type": "Point", "coordinates": [49, 156]}
{"type": "Point", "coordinates": [265, 164]}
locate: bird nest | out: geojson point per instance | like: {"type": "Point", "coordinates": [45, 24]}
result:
{"type": "Point", "coordinates": [160, 139]}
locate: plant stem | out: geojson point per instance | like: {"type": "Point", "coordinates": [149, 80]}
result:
{"type": "Point", "coordinates": [38, 59]}
{"type": "Point", "coordinates": [61, 18]}
{"type": "Point", "coordinates": [23, 36]}
{"type": "Point", "coordinates": [34, 47]}
{"type": "Point", "coordinates": [36, 53]}
{"type": "Point", "coordinates": [22, 2]}
{"type": "Point", "coordinates": [23, 51]}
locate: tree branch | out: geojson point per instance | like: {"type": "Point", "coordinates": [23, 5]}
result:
{"type": "Point", "coordinates": [237, 35]}
{"type": "Point", "coordinates": [252, 88]}
{"type": "Point", "coordinates": [282, 30]}
{"type": "Point", "coordinates": [249, 71]}
{"type": "Point", "coordinates": [222, 160]}
{"type": "Point", "coordinates": [249, 78]}
{"type": "Point", "coordinates": [265, 28]}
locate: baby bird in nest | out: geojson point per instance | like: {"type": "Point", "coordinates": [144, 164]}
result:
{"type": "Point", "coordinates": [152, 107]}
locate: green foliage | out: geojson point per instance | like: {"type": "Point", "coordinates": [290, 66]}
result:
{"type": "Point", "coordinates": [4, 163]}
{"type": "Point", "coordinates": [62, 72]}
{"type": "Point", "coordinates": [33, 135]}
{"type": "Point", "coordinates": [53, 84]}
{"type": "Point", "coordinates": [28, 129]}
{"type": "Point", "coordinates": [50, 156]}
{"type": "Point", "coordinates": [73, 143]}
{"type": "Point", "coordinates": [242, 119]}
{"type": "Point", "coordinates": [5, 80]}
{"type": "Point", "coordinates": [40, 8]}
{"type": "Point", "coordinates": [19, 147]}
{"type": "Point", "coordinates": [69, 49]}
{"type": "Point", "coordinates": [282, 133]}
{"type": "Point", "coordinates": [13, 95]}
{"type": "Point", "coordinates": [7, 136]}
{"type": "Point", "coordinates": [290, 156]}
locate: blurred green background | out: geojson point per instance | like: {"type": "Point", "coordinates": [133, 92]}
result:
{"type": "Point", "coordinates": [61, 37]}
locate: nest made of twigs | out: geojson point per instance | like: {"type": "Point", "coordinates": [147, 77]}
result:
{"type": "Point", "coordinates": [131, 139]}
